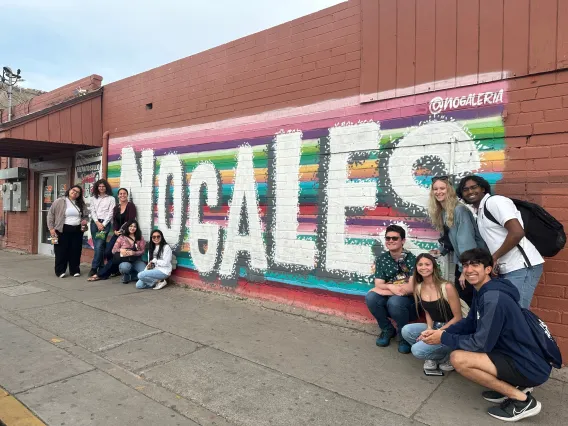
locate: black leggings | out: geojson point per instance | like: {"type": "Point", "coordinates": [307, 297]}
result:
{"type": "Point", "coordinates": [68, 250]}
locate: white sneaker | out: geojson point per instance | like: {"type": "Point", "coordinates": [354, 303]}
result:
{"type": "Point", "coordinates": [63, 275]}
{"type": "Point", "coordinates": [160, 284]}
{"type": "Point", "coordinates": [430, 364]}
{"type": "Point", "coordinates": [77, 274]}
{"type": "Point", "coordinates": [446, 366]}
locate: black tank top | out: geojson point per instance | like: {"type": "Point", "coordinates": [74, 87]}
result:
{"type": "Point", "coordinates": [436, 312]}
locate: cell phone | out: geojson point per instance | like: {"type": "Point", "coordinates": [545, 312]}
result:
{"type": "Point", "coordinates": [435, 372]}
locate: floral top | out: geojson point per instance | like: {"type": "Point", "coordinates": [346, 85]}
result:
{"type": "Point", "coordinates": [395, 271]}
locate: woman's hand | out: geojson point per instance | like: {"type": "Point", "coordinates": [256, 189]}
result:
{"type": "Point", "coordinates": [435, 253]}
{"type": "Point", "coordinates": [150, 265]}
{"type": "Point", "coordinates": [52, 233]}
{"type": "Point", "coordinates": [99, 226]}
{"type": "Point", "coordinates": [117, 233]}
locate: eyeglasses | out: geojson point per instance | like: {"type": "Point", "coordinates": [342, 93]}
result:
{"type": "Point", "coordinates": [392, 238]}
{"type": "Point", "coordinates": [471, 263]}
{"type": "Point", "coordinates": [156, 237]}
{"type": "Point", "coordinates": [470, 188]}
{"type": "Point", "coordinates": [74, 191]}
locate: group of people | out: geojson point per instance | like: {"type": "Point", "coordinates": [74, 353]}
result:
{"type": "Point", "coordinates": [475, 325]}
{"type": "Point", "coordinates": [68, 219]}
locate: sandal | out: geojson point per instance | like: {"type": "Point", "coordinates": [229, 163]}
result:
{"type": "Point", "coordinates": [93, 278]}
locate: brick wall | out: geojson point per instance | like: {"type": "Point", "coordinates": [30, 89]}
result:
{"type": "Point", "coordinates": [310, 59]}
{"type": "Point", "coordinates": [90, 83]}
{"type": "Point", "coordinates": [536, 169]}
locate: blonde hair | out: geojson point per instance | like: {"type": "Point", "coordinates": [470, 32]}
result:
{"type": "Point", "coordinates": [438, 283]}
{"type": "Point", "coordinates": [435, 208]}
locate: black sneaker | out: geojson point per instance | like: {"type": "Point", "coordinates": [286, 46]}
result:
{"type": "Point", "coordinates": [498, 398]}
{"type": "Point", "coordinates": [512, 410]}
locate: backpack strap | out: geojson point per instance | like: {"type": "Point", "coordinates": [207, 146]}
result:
{"type": "Point", "coordinates": [489, 216]}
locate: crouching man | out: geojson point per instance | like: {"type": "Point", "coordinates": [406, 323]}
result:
{"type": "Point", "coordinates": [494, 346]}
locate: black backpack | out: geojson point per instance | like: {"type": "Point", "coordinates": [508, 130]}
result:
{"type": "Point", "coordinates": [545, 341]}
{"type": "Point", "coordinates": [541, 228]}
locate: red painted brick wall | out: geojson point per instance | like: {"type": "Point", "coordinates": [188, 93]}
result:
{"type": "Point", "coordinates": [536, 169]}
{"type": "Point", "coordinates": [313, 58]}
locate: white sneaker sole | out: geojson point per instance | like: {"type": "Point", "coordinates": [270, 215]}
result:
{"type": "Point", "coordinates": [529, 413]}
{"type": "Point", "coordinates": [62, 275]}
{"type": "Point", "coordinates": [160, 285]}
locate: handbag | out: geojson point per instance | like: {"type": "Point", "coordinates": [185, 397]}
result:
{"type": "Point", "coordinates": [445, 242]}
{"type": "Point", "coordinates": [118, 259]}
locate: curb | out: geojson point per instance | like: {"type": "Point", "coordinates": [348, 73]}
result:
{"type": "Point", "coordinates": [14, 413]}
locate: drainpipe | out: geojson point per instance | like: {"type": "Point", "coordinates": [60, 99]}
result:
{"type": "Point", "coordinates": [106, 136]}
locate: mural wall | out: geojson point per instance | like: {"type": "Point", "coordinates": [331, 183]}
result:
{"type": "Point", "coordinates": [302, 197]}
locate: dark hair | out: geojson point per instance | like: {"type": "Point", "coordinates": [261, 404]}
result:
{"type": "Point", "coordinates": [438, 283]}
{"type": "Point", "coordinates": [152, 246]}
{"type": "Point", "coordinates": [398, 229]}
{"type": "Point", "coordinates": [477, 255]}
{"type": "Point", "coordinates": [80, 201]}
{"type": "Point", "coordinates": [122, 189]}
{"type": "Point", "coordinates": [137, 234]}
{"type": "Point", "coordinates": [478, 180]}
{"type": "Point", "coordinates": [96, 188]}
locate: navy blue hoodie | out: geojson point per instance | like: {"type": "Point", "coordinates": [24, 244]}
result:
{"type": "Point", "coordinates": [496, 324]}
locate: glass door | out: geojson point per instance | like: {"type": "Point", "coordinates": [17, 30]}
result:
{"type": "Point", "coordinates": [52, 186]}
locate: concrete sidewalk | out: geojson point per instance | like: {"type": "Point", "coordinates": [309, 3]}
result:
{"type": "Point", "coordinates": [79, 353]}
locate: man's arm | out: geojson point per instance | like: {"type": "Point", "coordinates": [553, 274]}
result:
{"type": "Point", "coordinates": [515, 233]}
{"type": "Point", "coordinates": [382, 288]}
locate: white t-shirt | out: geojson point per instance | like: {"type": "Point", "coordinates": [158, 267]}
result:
{"type": "Point", "coordinates": [503, 209]}
{"type": "Point", "coordinates": [72, 215]}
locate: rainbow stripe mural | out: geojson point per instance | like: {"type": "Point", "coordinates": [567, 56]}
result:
{"type": "Point", "coordinates": [325, 166]}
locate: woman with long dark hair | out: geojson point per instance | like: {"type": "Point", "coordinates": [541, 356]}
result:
{"type": "Point", "coordinates": [102, 206]}
{"type": "Point", "coordinates": [159, 266]}
{"type": "Point", "coordinates": [127, 253]}
{"type": "Point", "coordinates": [456, 224]}
{"type": "Point", "coordinates": [66, 221]}
{"type": "Point", "coordinates": [123, 212]}
{"type": "Point", "coordinates": [442, 306]}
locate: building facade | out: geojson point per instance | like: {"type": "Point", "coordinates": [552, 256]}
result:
{"type": "Point", "coordinates": [274, 163]}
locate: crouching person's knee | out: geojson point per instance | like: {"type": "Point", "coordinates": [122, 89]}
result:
{"type": "Point", "coordinates": [458, 359]}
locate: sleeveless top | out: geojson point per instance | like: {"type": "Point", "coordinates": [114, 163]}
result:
{"type": "Point", "coordinates": [437, 314]}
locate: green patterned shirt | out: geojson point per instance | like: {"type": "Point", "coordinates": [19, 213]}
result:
{"type": "Point", "coordinates": [390, 270]}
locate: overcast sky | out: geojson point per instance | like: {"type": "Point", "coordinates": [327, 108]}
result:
{"type": "Point", "coordinates": [55, 42]}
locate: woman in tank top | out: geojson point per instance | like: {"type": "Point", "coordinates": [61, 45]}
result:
{"type": "Point", "coordinates": [442, 307]}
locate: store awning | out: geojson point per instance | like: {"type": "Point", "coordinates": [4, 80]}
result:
{"type": "Point", "coordinates": [67, 127]}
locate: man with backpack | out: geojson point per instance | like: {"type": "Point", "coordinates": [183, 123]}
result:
{"type": "Point", "coordinates": [498, 344]}
{"type": "Point", "coordinates": [502, 228]}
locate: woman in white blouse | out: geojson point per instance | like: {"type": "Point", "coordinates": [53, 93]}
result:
{"type": "Point", "coordinates": [159, 266]}
{"type": "Point", "coordinates": [66, 221]}
{"type": "Point", "coordinates": [102, 206]}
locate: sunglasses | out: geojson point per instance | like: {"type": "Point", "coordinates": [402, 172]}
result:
{"type": "Point", "coordinates": [156, 237]}
{"type": "Point", "coordinates": [437, 178]}
{"type": "Point", "coordinates": [392, 238]}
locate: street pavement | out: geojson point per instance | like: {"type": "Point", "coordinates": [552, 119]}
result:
{"type": "Point", "coordinates": [81, 353]}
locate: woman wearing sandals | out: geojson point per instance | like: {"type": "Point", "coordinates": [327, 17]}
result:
{"type": "Point", "coordinates": [127, 253]}
{"type": "Point", "coordinates": [456, 222]}
{"type": "Point", "coordinates": [66, 221]}
{"type": "Point", "coordinates": [102, 206]}
{"type": "Point", "coordinates": [442, 306]}
{"type": "Point", "coordinates": [159, 266]}
{"type": "Point", "coordinates": [123, 212]}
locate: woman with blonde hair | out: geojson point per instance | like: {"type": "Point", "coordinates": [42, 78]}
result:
{"type": "Point", "coordinates": [442, 306]}
{"type": "Point", "coordinates": [457, 226]}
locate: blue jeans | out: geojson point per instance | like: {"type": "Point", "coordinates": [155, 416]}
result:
{"type": "Point", "coordinates": [401, 309]}
{"type": "Point", "coordinates": [525, 280]}
{"type": "Point", "coordinates": [421, 350]}
{"type": "Point", "coordinates": [109, 246]}
{"type": "Point", "coordinates": [130, 270]}
{"type": "Point", "coordinates": [98, 258]}
{"type": "Point", "coordinates": [149, 277]}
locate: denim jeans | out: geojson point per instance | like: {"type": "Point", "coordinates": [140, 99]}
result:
{"type": "Point", "coordinates": [109, 246]}
{"type": "Point", "coordinates": [130, 270]}
{"type": "Point", "coordinates": [422, 350]}
{"type": "Point", "coordinates": [98, 258]}
{"type": "Point", "coordinates": [401, 309]}
{"type": "Point", "coordinates": [149, 277]}
{"type": "Point", "coordinates": [525, 280]}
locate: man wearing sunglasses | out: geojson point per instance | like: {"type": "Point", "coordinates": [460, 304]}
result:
{"type": "Point", "coordinates": [494, 345]}
{"type": "Point", "coordinates": [515, 257]}
{"type": "Point", "coordinates": [391, 298]}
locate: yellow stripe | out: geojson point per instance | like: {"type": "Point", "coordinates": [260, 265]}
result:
{"type": "Point", "coordinates": [14, 413]}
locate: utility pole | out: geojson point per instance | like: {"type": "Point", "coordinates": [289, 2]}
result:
{"type": "Point", "coordinates": [10, 79]}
